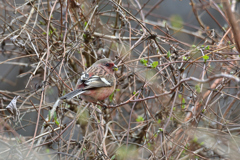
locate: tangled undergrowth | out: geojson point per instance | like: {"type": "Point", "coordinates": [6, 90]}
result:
{"type": "Point", "coordinates": [177, 92]}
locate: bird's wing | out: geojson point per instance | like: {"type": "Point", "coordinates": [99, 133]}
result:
{"type": "Point", "coordinates": [89, 83]}
{"type": "Point", "coordinates": [94, 81]}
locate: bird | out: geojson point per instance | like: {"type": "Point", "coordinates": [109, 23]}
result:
{"type": "Point", "coordinates": [97, 83]}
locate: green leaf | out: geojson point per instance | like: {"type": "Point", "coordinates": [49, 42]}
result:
{"type": "Point", "coordinates": [84, 36]}
{"type": "Point", "coordinates": [179, 96]}
{"type": "Point", "coordinates": [183, 103]}
{"type": "Point", "coordinates": [183, 152]}
{"type": "Point", "coordinates": [41, 23]}
{"type": "Point", "coordinates": [220, 6]}
{"type": "Point", "coordinates": [207, 48]}
{"type": "Point", "coordinates": [185, 58]}
{"type": "Point", "coordinates": [135, 93]}
{"type": "Point", "coordinates": [85, 24]}
{"type": "Point", "coordinates": [195, 139]}
{"type": "Point", "coordinates": [111, 97]}
{"type": "Point", "coordinates": [198, 89]}
{"type": "Point", "coordinates": [160, 129]}
{"type": "Point", "coordinates": [47, 150]}
{"type": "Point", "coordinates": [113, 157]}
{"type": "Point", "coordinates": [154, 64]}
{"type": "Point", "coordinates": [176, 21]}
{"type": "Point", "coordinates": [144, 61]}
{"type": "Point", "coordinates": [50, 32]}
{"type": "Point", "coordinates": [55, 119]}
{"type": "Point", "coordinates": [57, 123]}
{"type": "Point", "coordinates": [168, 54]}
{"type": "Point", "coordinates": [194, 46]}
{"type": "Point", "coordinates": [205, 57]}
{"type": "Point", "coordinates": [55, 116]}
{"type": "Point", "coordinates": [140, 119]}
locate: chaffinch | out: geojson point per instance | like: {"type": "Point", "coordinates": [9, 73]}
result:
{"type": "Point", "coordinates": [96, 84]}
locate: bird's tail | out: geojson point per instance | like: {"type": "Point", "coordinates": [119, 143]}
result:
{"type": "Point", "coordinates": [66, 96]}
{"type": "Point", "coordinates": [72, 94]}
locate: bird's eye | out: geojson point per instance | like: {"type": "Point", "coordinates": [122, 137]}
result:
{"type": "Point", "coordinates": [107, 64]}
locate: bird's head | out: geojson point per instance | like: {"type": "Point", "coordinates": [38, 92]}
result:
{"type": "Point", "coordinates": [107, 64]}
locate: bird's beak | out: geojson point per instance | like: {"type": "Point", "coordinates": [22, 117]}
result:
{"type": "Point", "coordinates": [115, 68]}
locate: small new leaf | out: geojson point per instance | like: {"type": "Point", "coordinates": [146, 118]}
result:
{"type": "Point", "coordinates": [111, 97]}
{"type": "Point", "coordinates": [144, 61]}
{"type": "Point", "coordinates": [135, 93]}
{"type": "Point", "coordinates": [179, 96]}
{"type": "Point", "coordinates": [55, 119]}
{"type": "Point", "coordinates": [201, 144]}
{"type": "Point", "coordinates": [183, 103]}
{"type": "Point", "coordinates": [55, 116]}
{"type": "Point", "coordinates": [154, 64]}
{"type": "Point", "coordinates": [50, 32]}
{"type": "Point", "coordinates": [205, 57]}
{"type": "Point", "coordinates": [113, 157]}
{"type": "Point", "coordinates": [185, 58]}
{"type": "Point", "coordinates": [168, 54]}
{"type": "Point", "coordinates": [207, 48]}
{"type": "Point", "coordinates": [41, 23]}
{"type": "Point", "coordinates": [160, 129]}
{"type": "Point", "coordinates": [140, 119]}
{"type": "Point", "coordinates": [198, 89]}
{"type": "Point", "coordinates": [195, 139]}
